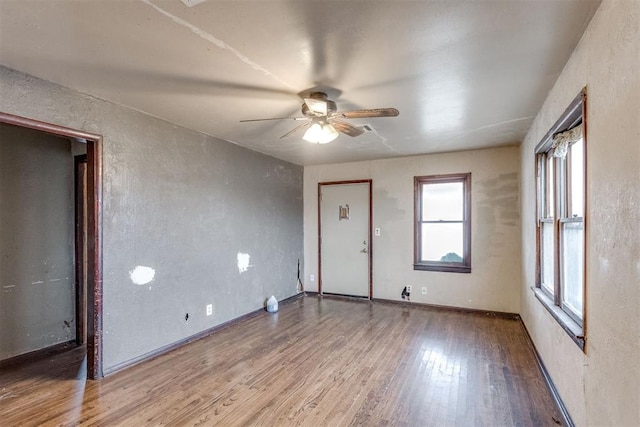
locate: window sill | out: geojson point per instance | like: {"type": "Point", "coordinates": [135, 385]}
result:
{"type": "Point", "coordinates": [446, 268]}
{"type": "Point", "coordinates": [574, 330]}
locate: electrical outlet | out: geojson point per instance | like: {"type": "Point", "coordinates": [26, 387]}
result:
{"type": "Point", "coordinates": [424, 290]}
{"type": "Point", "coordinates": [209, 309]}
{"type": "Point", "coordinates": [312, 278]}
{"type": "Point", "coordinates": [409, 288]}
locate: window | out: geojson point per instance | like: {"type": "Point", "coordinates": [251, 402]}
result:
{"type": "Point", "coordinates": [560, 230]}
{"type": "Point", "coordinates": [443, 223]}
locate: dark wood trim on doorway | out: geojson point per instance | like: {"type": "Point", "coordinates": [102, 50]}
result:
{"type": "Point", "coordinates": [355, 181]}
{"type": "Point", "coordinates": [94, 231]}
{"type": "Point", "coordinates": [79, 170]}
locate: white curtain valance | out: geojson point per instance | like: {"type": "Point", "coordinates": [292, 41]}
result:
{"type": "Point", "coordinates": [562, 140]}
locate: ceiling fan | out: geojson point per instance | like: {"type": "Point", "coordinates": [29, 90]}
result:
{"type": "Point", "coordinates": [323, 121]}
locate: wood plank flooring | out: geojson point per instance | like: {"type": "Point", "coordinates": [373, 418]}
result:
{"type": "Point", "coordinates": [318, 362]}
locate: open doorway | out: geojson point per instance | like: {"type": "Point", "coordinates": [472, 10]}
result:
{"type": "Point", "coordinates": [87, 173]}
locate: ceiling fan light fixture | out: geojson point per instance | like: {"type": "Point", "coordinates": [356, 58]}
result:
{"type": "Point", "coordinates": [320, 133]}
{"type": "Point", "coordinates": [323, 122]}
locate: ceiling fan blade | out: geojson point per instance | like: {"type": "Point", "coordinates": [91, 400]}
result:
{"type": "Point", "coordinates": [373, 112]}
{"type": "Point", "coordinates": [317, 106]}
{"type": "Point", "coordinates": [296, 130]}
{"type": "Point", "coordinates": [275, 118]}
{"type": "Point", "coordinates": [346, 128]}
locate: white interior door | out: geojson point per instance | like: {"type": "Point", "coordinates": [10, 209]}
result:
{"type": "Point", "coordinates": [344, 238]}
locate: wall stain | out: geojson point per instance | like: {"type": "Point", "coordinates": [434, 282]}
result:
{"type": "Point", "coordinates": [497, 208]}
{"type": "Point", "coordinates": [386, 207]}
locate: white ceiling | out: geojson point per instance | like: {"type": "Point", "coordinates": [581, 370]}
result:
{"type": "Point", "coordinates": [464, 74]}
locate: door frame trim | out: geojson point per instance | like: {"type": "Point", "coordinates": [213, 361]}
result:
{"type": "Point", "coordinates": [355, 181]}
{"type": "Point", "coordinates": [79, 211]}
{"type": "Point", "coordinates": [94, 231]}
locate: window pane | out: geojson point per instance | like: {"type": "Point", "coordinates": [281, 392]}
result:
{"type": "Point", "coordinates": [572, 265]}
{"type": "Point", "coordinates": [539, 185]}
{"type": "Point", "coordinates": [577, 178]}
{"type": "Point", "coordinates": [546, 263]}
{"type": "Point", "coordinates": [442, 201]}
{"type": "Point", "coordinates": [442, 242]}
{"type": "Point", "coordinates": [550, 188]}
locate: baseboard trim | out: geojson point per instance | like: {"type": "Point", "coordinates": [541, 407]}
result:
{"type": "Point", "coordinates": [42, 353]}
{"type": "Point", "coordinates": [547, 379]}
{"type": "Point", "coordinates": [338, 297]}
{"type": "Point", "coordinates": [175, 345]}
{"type": "Point", "coordinates": [502, 314]}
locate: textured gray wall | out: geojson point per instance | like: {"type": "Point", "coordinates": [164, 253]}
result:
{"type": "Point", "coordinates": [183, 204]}
{"type": "Point", "coordinates": [36, 241]}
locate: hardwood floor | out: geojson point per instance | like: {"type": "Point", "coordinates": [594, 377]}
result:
{"type": "Point", "coordinates": [318, 362]}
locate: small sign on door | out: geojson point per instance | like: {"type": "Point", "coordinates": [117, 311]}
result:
{"type": "Point", "coordinates": [343, 212]}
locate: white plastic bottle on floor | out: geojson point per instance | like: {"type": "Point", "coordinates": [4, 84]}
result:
{"type": "Point", "coordinates": [272, 304]}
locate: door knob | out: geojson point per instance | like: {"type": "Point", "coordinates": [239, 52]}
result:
{"type": "Point", "coordinates": [364, 251]}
